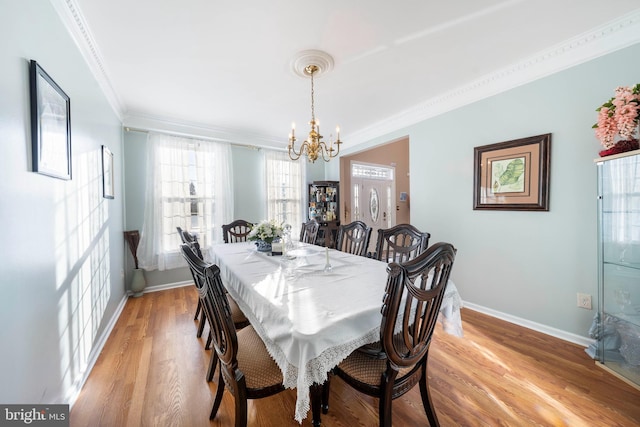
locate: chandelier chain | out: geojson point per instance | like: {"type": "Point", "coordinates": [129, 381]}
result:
{"type": "Point", "coordinates": [313, 114]}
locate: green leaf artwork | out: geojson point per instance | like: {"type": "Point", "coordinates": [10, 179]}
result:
{"type": "Point", "coordinates": [507, 176]}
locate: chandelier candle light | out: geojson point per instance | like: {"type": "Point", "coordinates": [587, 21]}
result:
{"type": "Point", "coordinates": [313, 147]}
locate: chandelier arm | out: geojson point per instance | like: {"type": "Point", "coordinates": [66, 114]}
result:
{"type": "Point", "coordinates": [297, 154]}
{"type": "Point", "coordinates": [323, 148]}
{"type": "Point", "coordinates": [329, 151]}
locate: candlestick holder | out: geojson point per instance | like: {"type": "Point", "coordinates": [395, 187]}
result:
{"type": "Point", "coordinates": [327, 266]}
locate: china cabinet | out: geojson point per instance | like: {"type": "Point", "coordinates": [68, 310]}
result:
{"type": "Point", "coordinates": [618, 318]}
{"type": "Point", "coordinates": [324, 207]}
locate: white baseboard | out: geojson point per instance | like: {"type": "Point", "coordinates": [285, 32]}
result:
{"type": "Point", "coordinates": [102, 339]}
{"type": "Point", "coordinates": [73, 393]}
{"type": "Point", "coordinates": [166, 286]}
{"type": "Point", "coordinates": [558, 333]}
{"type": "Point", "coordinates": [100, 343]}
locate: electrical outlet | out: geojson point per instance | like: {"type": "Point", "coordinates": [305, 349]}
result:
{"type": "Point", "coordinates": [584, 301]}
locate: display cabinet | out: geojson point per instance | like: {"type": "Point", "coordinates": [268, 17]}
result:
{"type": "Point", "coordinates": [324, 207]}
{"type": "Point", "coordinates": [618, 319]}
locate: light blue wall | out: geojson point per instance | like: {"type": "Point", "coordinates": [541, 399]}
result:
{"type": "Point", "coordinates": [250, 202]}
{"type": "Point", "coordinates": [529, 265]}
{"type": "Point", "coordinates": [62, 245]}
{"type": "Point", "coordinates": [316, 171]}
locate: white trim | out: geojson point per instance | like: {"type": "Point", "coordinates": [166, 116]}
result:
{"type": "Point", "coordinates": [614, 35]}
{"type": "Point", "coordinates": [558, 333]}
{"type": "Point", "coordinates": [73, 393]}
{"type": "Point", "coordinates": [72, 18]}
{"type": "Point", "coordinates": [165, 286]}
{"type": "Point", "coordinates": [195, 130]}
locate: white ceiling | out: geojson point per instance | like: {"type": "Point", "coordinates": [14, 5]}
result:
{"type": "Point", "coordinates": [223, 68]}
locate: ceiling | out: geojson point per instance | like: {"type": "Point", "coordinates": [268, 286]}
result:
{"type": "Point", "coordinates": [223, 68]}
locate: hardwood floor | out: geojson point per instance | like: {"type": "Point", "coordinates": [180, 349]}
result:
{"type": "Point", "coordinates": [152, 373]}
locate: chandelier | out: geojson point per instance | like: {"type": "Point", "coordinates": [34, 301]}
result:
{"type": "Point", "coordinates": [313, 147]}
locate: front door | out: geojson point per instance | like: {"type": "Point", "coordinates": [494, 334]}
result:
{"type": "Point", "coordinates": [373, 197]}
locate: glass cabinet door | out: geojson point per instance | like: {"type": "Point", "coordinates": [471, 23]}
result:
{"type": "Point", "coordinates": [619, 265]}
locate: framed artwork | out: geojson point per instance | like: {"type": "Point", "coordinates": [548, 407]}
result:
{"type": "Point", "coordinates": [513, 175]}
{"type": "Point", "coordinates": [107, 173]}
{"type": "Point", "coordinates": [50, 125]}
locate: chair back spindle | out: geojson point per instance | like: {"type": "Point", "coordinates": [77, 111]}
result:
{"type": "Point", "coordinates": [354, 238]}
{"type": "Point", "coordinates": [400, 243]}
{"type": "Point", "coordinates": [309, 232]}
{"type": "Point", "coordinates": [237, 231]}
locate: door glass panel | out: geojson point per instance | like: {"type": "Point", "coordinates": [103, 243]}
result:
{"type": "Point", "coordinates": [374, 204]}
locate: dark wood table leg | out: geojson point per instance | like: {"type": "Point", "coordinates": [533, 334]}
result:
{"type": "Point", "coordinates": [316, 392]}
{"type": "Point", "coordinates": [325, 395]}
{"type": "Point", "coordinates": [319, 394]}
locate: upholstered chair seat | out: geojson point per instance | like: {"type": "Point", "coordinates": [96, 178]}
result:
{"type": "Point", "coordinates": [254, 361]}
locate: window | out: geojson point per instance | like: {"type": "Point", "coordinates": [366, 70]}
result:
{"type": "Point", "coordinates": [284, 180]}
{"type": "Point", "coordinates": [372, 172]}
{"type": "Point", "coordinates": [189, 185]}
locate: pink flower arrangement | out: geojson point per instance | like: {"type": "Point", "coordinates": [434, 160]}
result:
{"type": "Point", "coordinates": [619, 116]}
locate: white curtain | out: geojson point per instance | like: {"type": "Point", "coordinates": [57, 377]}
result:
{"type": "Point", "coordinates": [285, 185]}
{"type": "Point", "coordinates": [189, 185]}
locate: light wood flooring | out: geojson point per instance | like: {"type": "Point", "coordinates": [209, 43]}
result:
{"type": "Point", "coordinates": [151, 372]}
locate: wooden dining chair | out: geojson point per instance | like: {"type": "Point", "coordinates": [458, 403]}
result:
{"type": "Point", "coordinates": [309, 232]}
{"type": "Point", "coordinates": [354, 238]}
{"type": "Point", "coordinates": [187, 237]}
{"type": "Point", "coordinates": [236, 231]}
{"type": "Point", "coordinates": [246, 367]}
{"type": "Point", "coordinates": [239, 319]}
{"type": "Point", "coordinates": [411, 304]}
{"type": "Point", "coordinates": [400, 243]}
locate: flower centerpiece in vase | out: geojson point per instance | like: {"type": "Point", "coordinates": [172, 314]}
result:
{"type": "Point", "coordinates": [264, 233]}
{"type": "Point", "coordinates": [618, 120]}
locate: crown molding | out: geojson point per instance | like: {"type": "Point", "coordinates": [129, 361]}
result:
{"type": "Point", "coordinates": [153, 123]}
{"type": "Point", "coordinates": [615, 35]}
{"type": "Point", "coordinates": [72, 18]}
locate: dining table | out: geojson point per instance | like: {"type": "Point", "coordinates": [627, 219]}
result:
{"type": "Point", "coordinates": [312, 306]}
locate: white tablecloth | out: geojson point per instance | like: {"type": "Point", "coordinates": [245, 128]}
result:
{"type": "Point", "coordinates": [309, 319]}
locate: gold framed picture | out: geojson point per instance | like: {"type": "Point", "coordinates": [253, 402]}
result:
{"type": "Point", "coordinates": [513, 175]}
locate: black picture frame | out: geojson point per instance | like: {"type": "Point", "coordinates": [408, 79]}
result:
{"type": "Point", "coordinates": [50, 125]}
{"type": "Point", "coordinates": [513, 175]}
{"type": "Point", "coordinates": [108, 191]}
